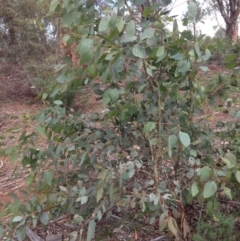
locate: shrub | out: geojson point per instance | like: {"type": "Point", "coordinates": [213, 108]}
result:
{"type": "Point", "coordinates": [151, 152]}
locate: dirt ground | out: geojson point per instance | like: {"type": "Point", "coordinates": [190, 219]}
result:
{"type": "Point", "coordinates": [18, 104]}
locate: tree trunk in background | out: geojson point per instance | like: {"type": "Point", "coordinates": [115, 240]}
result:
{"type": "Point", "coordinates": [11, 30]}
{"type": "Point", "coordinates": [230, 16]}
{"type": "Point", "coordinates": [232, 32]}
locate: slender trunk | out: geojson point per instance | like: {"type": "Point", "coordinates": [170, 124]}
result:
{"type": "Point", "coordinates": [232, 31]}
{"type": "Point", "coordinates": [11, 30]}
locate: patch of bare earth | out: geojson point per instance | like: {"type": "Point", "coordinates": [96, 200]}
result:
{"type": "Point", "coordinates": [17, 105]}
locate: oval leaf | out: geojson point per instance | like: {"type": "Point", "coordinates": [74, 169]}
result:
{"type": "Point", "coordinates": [139, 51]}
{"type": "Point", "coordinates": [44, 218]}
{"type": "Point", "coordinates": [228, 192]}
{"type": "Point", "coordinates": [91, 230]}
{"type": "Point", "coordinates": [103, 25]}
{"type": "Point", "coordinates": [194, 189]}
{"type": "Point", "coordinates": [192, 10]}
{"type": "Point", "coordinates": [210, 189]}
{"type": "Point", "coordinates": [149, 127]}
{"type": "Point", "coordinates": [17, 219]}
{"type": "Point", "coordinates": [99, 194]}
{"type": "Point", "coordinates": [238, 176]}
{"type": "Point", "coordinates": [184, 138]}
{"type": "Point", "coordinates": [172, 225]}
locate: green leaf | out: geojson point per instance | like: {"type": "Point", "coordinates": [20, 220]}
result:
{"type": "Point", "coordinates": [139, 51]}
{"type": "Point", "coordinates": [210, 189]}
{"type": "Point", "coordinates": [194, 189]}
{"type": "Point", "coordinates": [227, 162]}
{"type": "Point", "coordinates": [41, 131]}
{"type": "Point", "coordinates": [53, 6]}
{"type": "Point", "coordinates": [204, 173]}
{"type": "Point", "coordinates": [21, 233]}
{"type": "Point", "coordinates": [131, 173]}
{"type": "Point", "coordinates": [183, 66]}
{"type": "Point", "coordinates": [17, 219]}
{"type": "Point", "coordinates": [29, 180]}
{"type": "Point", "coordinates": [207, 55]}
{"type": "Point", "coordinates": [149, 127]}
{"type": "Point", "coordinates": [197, 49]}
{"type": "Point", "coordinates": [153, 141]}
{"type": "Point", "coordinates": [130, 29]}
{"type": "Point", "coordinates": [172, 141]}
{"type": "Point", "coordinates": [232, 158]}
{"type": "Point", "coordinates": [73, 236]}
{"type": "Point", "coordinates": [47, 175]}
{"type": "Point", "coordinates": [44, 219]}
{"type": "Point", "coordinates": [204, 68]}
{"type": "Point", "coordinates": [184, 138]}
{"type": "Point", "coordinates": [58, 102]}
{"type": "Point", "coordinates": [91, 230]}
{"type": "Point", "coordinates": [44, 96]}
{"type": "Point", "coordinates": [99, 194]}
{"type": "Point", "coordinates": [228, 192]}
{"type": "Point", "coordinates": [84, 200]}
{"type": "Point", "coordinates": [160, 51]}
{"type": "Point", "coordinates": [238, 176]}
{"type": "Point", "coordinates": [220, 46]}
{"type": "Point", "coordinates": [62, 188]}
{"type": "Point", "coordinates": [126, 39]}
{"type": "Point", "coordinates": [114, 94]}
{"type": "Point", "coordinates": [99, 215]}
{"type": "Point", "coordinates": [113, 21]}
{"type": "Point", "coordinates": [152, 220]}
{"type": "Point", "coordinates": [120, 24]}
{"type": "Point", "coordinates": [103, 25]}
{"type": "Point", "coordinates": [147, 33]}
{"type": "Point", "coordinates": [85, 46]}
{"type": "Point", "coordinates": [192, 10]}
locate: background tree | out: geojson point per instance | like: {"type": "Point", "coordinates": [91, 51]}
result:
{"type": "Point", "coordinates": [230, 10]}
{"type": "Point", "coordinates": [25, 29]}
